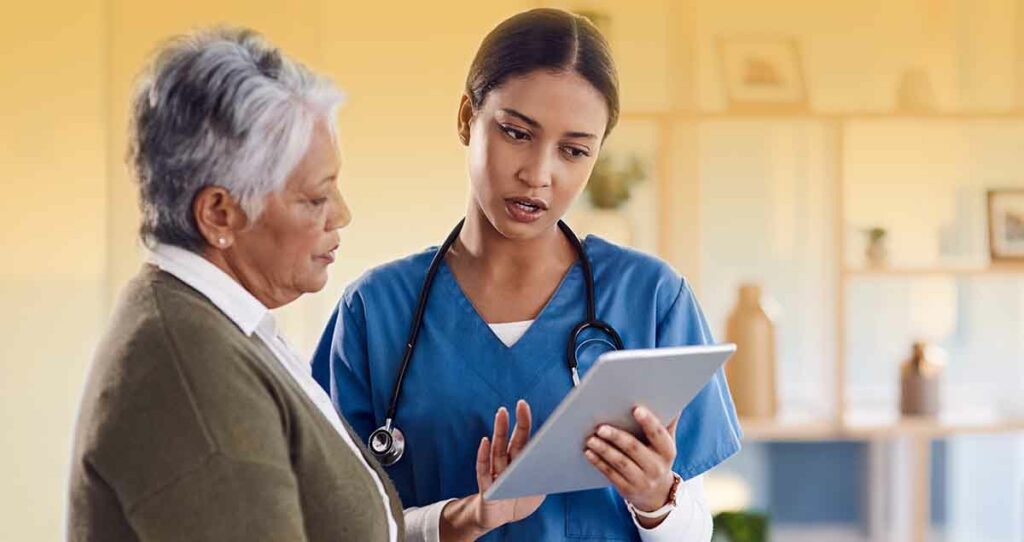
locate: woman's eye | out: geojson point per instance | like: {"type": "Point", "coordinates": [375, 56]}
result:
{"type": "Point", "coordinates": [514, 133]}
{"type": "Point", "coordinates": [575, 152]}
{"type": "Point", "coordinates": [317, 202]}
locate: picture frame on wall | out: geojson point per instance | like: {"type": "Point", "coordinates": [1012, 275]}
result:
{"type": "Point", "coordinates": [762, 74]}
{"type": "Point", "coordinates": [1006, 225]}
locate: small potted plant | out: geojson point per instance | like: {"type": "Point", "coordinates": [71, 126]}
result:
{"type": "Point", "coordinates": [608, 191]}
{"type": "Point", "coordinates": [609, 187]}
{"type": "Point", "coordinates": [876, 252]}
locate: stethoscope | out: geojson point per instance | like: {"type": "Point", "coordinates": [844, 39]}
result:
{"type": "Point", "coordinates": [387, 443]}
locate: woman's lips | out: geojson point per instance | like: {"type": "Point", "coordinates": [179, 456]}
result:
{"type": "Point", "coordinates": [329, 256]}
{"type": "Point", "coordinates": [525, 210]}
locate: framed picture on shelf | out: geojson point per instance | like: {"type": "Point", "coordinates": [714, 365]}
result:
{"type": "Point", "coordinates": [1006, 225]}
{"type": "Point", "coordinates": [762, 74]}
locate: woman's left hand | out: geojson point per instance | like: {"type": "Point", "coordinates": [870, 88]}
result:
{"type": "Point", "coordinates": [642, 473]}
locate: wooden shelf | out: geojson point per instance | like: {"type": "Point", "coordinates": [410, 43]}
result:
{"type": "Point", "coordinates": [999, 269]}
{"type": "Point", "coordinates": [934, 428]}
{"type": "Point", "coordinates": [874, 428]}
{"type": "Point", "coordinates": [771, 430]}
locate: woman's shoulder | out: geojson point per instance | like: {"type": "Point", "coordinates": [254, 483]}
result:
{"type": "Point", "coordinates": [167, 349]}
{"type": "Point", "coordinates": [632, 266]}
{"type": "Point", "coordinates": [155, 308]}
{"type": "Point", "coordinates": [398, 277]}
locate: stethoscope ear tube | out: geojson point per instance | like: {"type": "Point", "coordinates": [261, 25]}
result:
{"type": "Point", "coordinates": [387, 443]}
{"type": "Point", "coordinates": [417, 320]}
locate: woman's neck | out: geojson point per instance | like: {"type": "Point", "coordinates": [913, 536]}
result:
{"type": "Point", "coordinates": [484, 250]}
{"type": "Point", "coordinates": [253, 282]}
{"type": "Point", "coordinates": [508, 280]}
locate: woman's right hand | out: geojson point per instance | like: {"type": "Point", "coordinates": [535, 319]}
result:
{"type": "Point", "coordinates": [472, 517]}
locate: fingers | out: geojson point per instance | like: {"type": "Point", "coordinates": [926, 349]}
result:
{"type": "Point", "coordinates": [672, 430]}
{"type": "Point", "coordinates": [521, 433]}
{"type": "Point", "coordinates": [609, 472]}
{"type": "Point", "coordinates": [643, 455]}
{"type": "Point", "coordinates": [483, 465]}
{"type": "Point", "coordinates": [638, 472]}
{"type": "Point", "coordinates": [624, 465]}
{"type": "Point", "coordinates": [661, 439]}
{"type": "Point", "coordinates": [499, 443]}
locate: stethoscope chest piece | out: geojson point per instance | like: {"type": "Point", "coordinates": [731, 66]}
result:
{"type": "Point", "coordinates": [387, 445]}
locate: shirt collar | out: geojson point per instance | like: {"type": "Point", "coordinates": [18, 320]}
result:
{"type": "Point", "coordinates": [223, 291]}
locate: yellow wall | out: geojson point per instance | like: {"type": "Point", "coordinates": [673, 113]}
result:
{"type": "Point", "coordinates": [53, 136]}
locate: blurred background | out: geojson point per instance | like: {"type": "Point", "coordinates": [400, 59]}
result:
{"type": "Point", "coordinates": [857, 165]}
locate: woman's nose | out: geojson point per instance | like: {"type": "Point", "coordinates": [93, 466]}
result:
{"type": "Point", "coordinates": [340, 215]}
{"type": "Point", "coordinates": [538, 172]}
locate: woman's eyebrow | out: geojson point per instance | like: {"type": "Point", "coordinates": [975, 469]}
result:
{"type": "Point", "coordinates": [580, 135]}
{"type": "Point", "coordinates": [534, 124]}
{"type": "Point", "coordinates": [529, 121]}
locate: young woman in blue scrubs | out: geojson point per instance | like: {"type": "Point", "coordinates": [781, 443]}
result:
{"type": "Point", "coordinates": [540, 99]}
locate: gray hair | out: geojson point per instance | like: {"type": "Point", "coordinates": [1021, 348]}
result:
{"type": "Point", "coordinates": [219, 107]}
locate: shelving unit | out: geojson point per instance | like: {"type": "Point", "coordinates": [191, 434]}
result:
{"type": "Point", "coordinates": [823, 116]}
{"type": "Point", "coordinates": [993, 270]}
{"type": "Point", "coordinates": [843, 424]}
{"type": "Point", "coordinates": [868, 429]}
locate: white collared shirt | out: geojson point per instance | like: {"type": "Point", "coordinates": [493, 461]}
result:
{"type": "Point", "coordinates": [251, 316]}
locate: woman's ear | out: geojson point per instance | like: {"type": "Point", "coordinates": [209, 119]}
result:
{"type": "Point", "coordinates": [465, 118]}
{"type": "Point", "coordinates": [218, 216]}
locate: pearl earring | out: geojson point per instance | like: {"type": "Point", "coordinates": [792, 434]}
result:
{"type": "Point", "coordinates": [222, 241]}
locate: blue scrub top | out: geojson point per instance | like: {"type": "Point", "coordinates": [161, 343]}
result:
{"type": "Point", "coordinates": [461, 373]}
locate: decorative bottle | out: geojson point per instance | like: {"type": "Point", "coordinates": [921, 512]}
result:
{"type": "Point", "coordinates": [751, 371]}
{"type": "Point", "coordinates": [919, 383]}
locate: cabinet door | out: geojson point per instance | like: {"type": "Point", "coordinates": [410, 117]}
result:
{"type": "Point", "coordinates": [767, 207]}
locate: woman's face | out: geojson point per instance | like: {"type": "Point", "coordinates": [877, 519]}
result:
{"type": "Point", "coordinates": [532, 146]}
{"type": "Point", "coordinates": [285, 253]}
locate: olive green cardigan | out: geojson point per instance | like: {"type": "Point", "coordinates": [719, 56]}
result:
{"type": "Point", "coordinates": [190, 430]}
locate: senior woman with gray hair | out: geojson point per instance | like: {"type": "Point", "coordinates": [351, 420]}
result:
{"type": "Point", "coordinates": [199, 422]}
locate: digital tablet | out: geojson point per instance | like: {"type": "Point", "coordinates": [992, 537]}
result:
{"type": "Point", "coordinates": [662, 379]}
